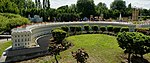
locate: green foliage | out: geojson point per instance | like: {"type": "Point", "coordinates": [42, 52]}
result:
{"type": "Point", "coordinates": [110, 28]}
{"type": "Point", "coordinates": [59, 35]}
{"type": "Point", "coordinates": [9, 21]}
{"type": "Point", "coordinates": [142, 30]}
{"type": "Point", "coordinates": [95, 28]}
{"type": "Point", "coordinates": [116, 29]}
{"type": "Point", "coordinates": [4, 45]}
{"type": "Point", "coordinates": [78, 28]}
{"type": "Point", "coordinates": [126, 29]}
{"type": "Point", "coordinates": [87, 28]}
{"type": "Point", "coordinates": [65, 28]}
{"type": "Point", "coordinates": [103, 28]}
{"type": "Point", "coordinates": [86, 7]}
{"type": "Point", "coordinates": [134, 43]}
{"type": "Point", "coordinates": [72, 28]}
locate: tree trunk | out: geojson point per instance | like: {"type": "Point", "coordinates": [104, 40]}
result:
{"type": "Point", "coordinates": [56, 58]}
{"type": "Point", "coordinates": [129, 57]}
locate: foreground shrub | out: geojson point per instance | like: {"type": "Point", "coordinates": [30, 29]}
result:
{"type": "Point", "coordinates": [134, 43]}
{"type": "Point", "coordinates": [59, 35]}
{"type": "Point", "coordinates": [87, 28]}
{"type": "Point", "coordinates": [95, 28]}
{"type": "Point", "coordinates": [125, 29]}
{"type": "Point", "coordinates": [65, 28]}
{"type": "Point", "coordinates": [116, 29]}
{"type": "Point", "coordinates": [80, 55]}
{"type": "Point", "coordinates": [72, 28]}
{"type": "Point", "coordinates": [103, 28]}
{"type": "Point", "coordinates": [110, 28]}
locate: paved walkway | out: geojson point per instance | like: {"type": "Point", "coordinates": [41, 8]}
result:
{"type": "Point", "coordinates": [4, 40]}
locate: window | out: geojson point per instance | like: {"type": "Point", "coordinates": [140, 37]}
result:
{"type": "Point", "coordinates": [28, 35]}
{"type": "Point", "coordinates": [15, 40]}
{"type": "Point", "coordinates": [21, 35]}
{"type": "Point", "coordinates": [28, 39]}
{"type": "Point", "coordinates": [25, 35]}
{"type": "Point", "coordinates": [18, 44]}
{"type": "Point", "coordinates": [25, 39]}
{"type": "Point", "coordinates": [25, 44]}
{"type": "Point", "coordinates": [15, 44]}
{"type": "Point", "coordinates": [22, 40]}
{"type": "Point", "coordinates": [18, 36]}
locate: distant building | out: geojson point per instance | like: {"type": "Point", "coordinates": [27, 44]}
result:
{"type": "Point", "coordinates": [135, 14]}
{"type": "Point", "coordinates": [36, 18]}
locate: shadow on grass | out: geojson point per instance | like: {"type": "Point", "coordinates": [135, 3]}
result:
{"type": "Point", "coordinates": [137, 59]}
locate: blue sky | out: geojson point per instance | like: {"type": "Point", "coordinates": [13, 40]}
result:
{"type": "Point", "coordinates": [137, 3]}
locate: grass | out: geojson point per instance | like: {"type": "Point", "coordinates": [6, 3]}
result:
{"type": "Point", "coordinates": [3, 46]}
{"type": "Point", "coordinates": [101, 49]}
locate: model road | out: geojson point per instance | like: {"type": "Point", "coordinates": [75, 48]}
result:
{"type": "Point", "coordinates": [44, 41]}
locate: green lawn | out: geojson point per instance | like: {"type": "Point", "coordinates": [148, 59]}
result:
{"type": "Point", "coordinates": [101, 49]}
{"type": "Point", "coordinates": [3, 46]}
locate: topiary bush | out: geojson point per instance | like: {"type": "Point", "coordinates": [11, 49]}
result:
{"type": "Point", "coordinates": [78, 28]}
{"type": "Point", "coordinates": [116, 29]}
{"type": "Point", "coordinates": [109, 28]}
{"type": "Point", "coordinates": [125, 29]}
{"type": "Point", "coordinates": [103, 28]}
{"type": "Point", "coordinates": [65, 28]}
{"type": "Point", "coordinates": [143, 30]}
{"type": "Point", "coordinates": [87, 28]}
{"type": "Point", "coordinates": [59, 35]}
{"type": "Point", "coordinates": [95, 28]}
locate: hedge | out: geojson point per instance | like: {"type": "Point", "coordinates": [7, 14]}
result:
{"type": "Point", "coordinates": [95, 27]}
{"type": "Point", "coordinates": [125, 29]}
{"type": "Point", "coordinates": [110, 28]}
{"type": "Point", "coordinates": [103, 28]}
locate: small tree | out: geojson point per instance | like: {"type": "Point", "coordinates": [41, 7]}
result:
{"type": "Point", "coordinates": [80, 55]}
{"type": "Point", "coordinates": [103, 28]}
{"type": "Point", "coordinates": [133, 43]}
{"type": "Point", "coordinates": [109, 28]}
{"type": "Point", "coordinates": [65, 28]}
{"type": "Point", "coordinates": [116, 29]}
{"type": "Point", "coordinates": [126, 29]}
{"type": "Point", "coordinates": [95, 28]}
{"type": "Point", "coordinates": [87, 28]}
{"type": "Point", "coordinates": [78, 28]}
{"type": "Point", "coordinates": [58, 35]}
{"type": "Point", "coordinates": [73, 29]}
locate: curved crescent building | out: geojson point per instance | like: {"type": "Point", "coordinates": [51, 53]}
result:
{"type": "Point", "coordinates": [25, 37]}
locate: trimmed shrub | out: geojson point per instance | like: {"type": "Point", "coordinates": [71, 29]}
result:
{"type": "Point", "coordinates": [65, 28]}
{"type": "Point", "coordinates": [78, 28]}
{"type": "Point", "coordinates": [87, 28]}
{"type": "Point", "coordinates": [142, 30]}
{"type": "Point", "coordinates": [59, 35]}
{"type": "Point", "coordinates": [103, 28]}
{"type": "Point", "coordinates": [72, 28]}
{"type": "Point", "coordinates": [95, 28]}
{"type": "Point", "coordinates": [116, 29]}
{"type": "Point", "coordinates": [125, 29]}
{"type": "Point", "coordinates": [110, 28]}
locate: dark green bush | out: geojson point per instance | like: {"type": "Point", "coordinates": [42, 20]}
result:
{"type": "Point", "coordinates": [78, 28]}
{"type": "Point", "coordinates": [95, 28]}
{"type": "Point", "coordinates": [59, 35]}
{"type": "Point", "coordinates": [142, 30]}
{"type": "Point", "coordinates": [72, 28]}
{"type": "Point", "coordinates": [116, 29]}
{"type": "Point", "coordinates": [103, 28]}
{"type": "Point", "coordinates": [126, 29]}
{"type": "Point", "coordinates": [65, 28]}
{"type": "Point", "coordinates": [110, 28]}
{"type": "Point", "coordinates": [87, 28]}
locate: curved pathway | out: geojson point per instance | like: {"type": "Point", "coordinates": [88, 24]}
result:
{"type": "Point", "coordinates": [43, 42]}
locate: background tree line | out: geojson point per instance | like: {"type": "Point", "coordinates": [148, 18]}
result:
{"type": "Point", "coordinates": [83, 8]}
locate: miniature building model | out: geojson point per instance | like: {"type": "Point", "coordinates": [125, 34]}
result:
{"type": "Point", "coordinates": [135, 14]}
